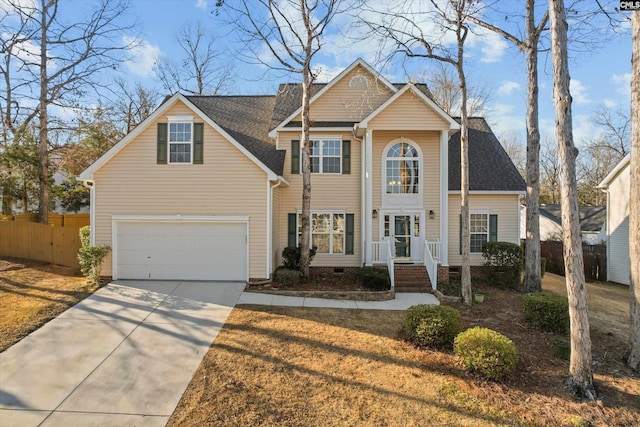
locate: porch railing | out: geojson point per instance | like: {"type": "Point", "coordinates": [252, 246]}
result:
{"type": "Point", "coordinates": [390, 266]}
{"type": "Point", "coordinates": [383, 254]}
{"type": "Point", "coordinates": [435, 248]}
{"type": "Point", "coordinates": [430, 262]}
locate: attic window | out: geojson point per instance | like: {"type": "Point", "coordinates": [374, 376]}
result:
{"type": "Point", "coordinates": [359, 82]}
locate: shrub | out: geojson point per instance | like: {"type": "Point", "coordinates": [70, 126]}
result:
{"type": "Point", "coordinates": [450, 287]}
{"type": "Point", "coordinates": [291, 257]}
{"type": "Point", "coordinates": [549, 312]}
{"type": "Point", "coordinates": [486, 352]}
{"type": "Point", "coordinates": [288, 278]}
{"type": "Point", "coordinates": [91, 257]}
{"type": "Point", "coordinates": [432, 325]}
{"type": "Point", "coordinates": [374, 279]}
{"type": "Point", "coordinates": [504, 264]}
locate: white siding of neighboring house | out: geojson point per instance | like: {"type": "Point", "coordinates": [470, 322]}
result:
{"type": "Point", "coordinates": [618, 265]}
{"type": "Point", "coordinates": [505, 206]}
{"type": "Point", "coordinates": [549, 229]}
{"type": "Point", "coordinates": [228, 183]}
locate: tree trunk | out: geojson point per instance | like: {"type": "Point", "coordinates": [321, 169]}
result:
{"type": "Point", "coordinates": [580, 381]}
{"type": "Point", "coordinates": [43, 146]}
{"type": "Point", "coordinates": [633, 359]}
{"type": "Point", "coordinates": [532, 275]}
{"type": "Point", "coordinates": [306, 174]}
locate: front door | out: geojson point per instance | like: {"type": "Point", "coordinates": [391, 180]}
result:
{"type": "Point", "coordinates": [404, 230]}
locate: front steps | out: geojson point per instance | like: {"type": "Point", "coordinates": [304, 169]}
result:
{"type": "Point", "coordinates": [411, 278]}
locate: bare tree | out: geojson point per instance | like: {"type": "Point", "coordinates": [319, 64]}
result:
{"type": "Point", "coordinates": [515, 148]}
{"type": "Point", "coordinates": [529, 45]}
{"type": "Point", "coordinates": [403, 26]}
{"type": "Point", "coordinates": [445, 87]}
{"type": "Point", "coordinates": [633, 359]}
{"type": "Point", "coordinates": [133, 105]}
{"type": "Point", "coordinates": [203, 68]}
{"type": "Point", "coordinates": [550, 173]}
{"type": "Point", "coordinates": [580, 380]}
{"type": "Point", "coordinates": [59, 61]}
{"type": "Point", "coordinates": [292, 32]}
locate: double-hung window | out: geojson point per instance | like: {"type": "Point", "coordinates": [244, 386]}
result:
{"type": "Point", "coordinates": [327, 232]}
{"type": "Point", "coordinates": [326, 156]}
{"type": "Point", "coordinates": [478, 231]}
{"type": "Point", "coordinates": [180, 142]}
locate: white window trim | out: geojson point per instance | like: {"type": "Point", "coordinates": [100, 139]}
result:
{"type": "Point", "coordinates": [486, 213]}
{"type": "Point", "coordinates": [331, 212]}
{"type": "Point", "coordinates": [175, 120]}
{"type": "Point", "coordinates": [322, 138]}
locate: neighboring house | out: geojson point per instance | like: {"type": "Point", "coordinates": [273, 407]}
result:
{"type": "Point", "coordinates": [209, 187]}
{"type": "Point", "coordinates": [592, 223]}
{"type": "Point", "coordinates": [616, 185]}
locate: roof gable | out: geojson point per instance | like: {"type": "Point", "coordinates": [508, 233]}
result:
{"type": "Point", "coordinates": [381, 88]}
{"type": "Point", "coordinates": [615, 172]}
{"type": "Point", "coordinates": [252, 154]}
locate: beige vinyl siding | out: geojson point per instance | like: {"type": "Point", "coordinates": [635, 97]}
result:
{"type": "Point", "coordinates": [328, 192]}
{"type": "Point", "coordinates": [619, 265]}
{"type": "Point", "coordinates": [276, 252]}
{"type": "Point", "coordinates": [505, 206]}
{"type": "Point", "coordinates": [429, 143]}
{"type": "Point", "coordinates": [342, 103]}
{"type": "Point", "coordinates": [408, 112]}
{"type": "Point", "coordinates": [228, 183]}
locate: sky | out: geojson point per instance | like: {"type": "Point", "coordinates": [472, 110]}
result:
{"type": "Point", "coordinates": [600, 74]}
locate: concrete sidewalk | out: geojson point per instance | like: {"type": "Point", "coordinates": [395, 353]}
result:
{"type": "Point", "coordinates": [401, 302]}
{"type": "Point", "coordinates": [123, 356]}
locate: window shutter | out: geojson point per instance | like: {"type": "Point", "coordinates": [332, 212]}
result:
{"type": "Point", "coordinates": [493, 228]}
{"type": "Point", "coordinates": [348, 244]}
{"type": "Point", "coordinates": [292, 230]}
{"type": "Point", "coordinates": [460, 234]}
{"type": "Point", "coordinates": [346, 157]}
{"type": "Point", "coordinates": [295, 157]}
{"type": "Point", "coordinates": [162, 144]}
{"type": "Point", "coordinates": [198, 143]}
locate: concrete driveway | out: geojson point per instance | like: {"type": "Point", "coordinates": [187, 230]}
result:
{"type": "Point", "coordinates": [121, 357]}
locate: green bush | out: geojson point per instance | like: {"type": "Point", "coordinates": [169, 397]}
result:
{"type": "Point", "coordinates": [288, 278]}
{"type": "Point", "coordinates": [503, 262]}
{"type": "Point", "coordinates": [549, 312]}
{"type": "Point", "coordinates": [291, 257]}
{"type": "Point", "coordinates": [375, 279]}
{"type": "Point", "coordinates": [432, 325]}
{"type": "Point", "coordinates": [91, 257]}
{"type": "Point", "coordinates": [486, 352]}
{"type": "Point", "coordinates": [450, 287]}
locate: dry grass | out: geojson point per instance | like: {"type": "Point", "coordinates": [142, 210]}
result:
{"type": "Point", "coordinates": [301, 366]}
{"type": "Point", "coordinates": [31, 294]}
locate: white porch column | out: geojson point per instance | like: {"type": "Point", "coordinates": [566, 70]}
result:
{"type": "Point", "coordinates": [368, 196]}
{"type": "Point", "coordinates": [444, 197]}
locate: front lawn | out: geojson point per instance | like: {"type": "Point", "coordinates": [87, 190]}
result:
{"type": "Point", "coordinates": [31, 294]}
{"type": "Point", "coordinates": [301, 366]}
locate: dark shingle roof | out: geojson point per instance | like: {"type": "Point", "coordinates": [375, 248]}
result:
{"type": "Point", "coordinates": [247, 120]}
{"type": "Point", "coordinates": [591, 217]}
{"type": "Point", "coordinates": [490, 168]}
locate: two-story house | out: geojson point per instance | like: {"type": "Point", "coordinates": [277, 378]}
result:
{"type": "Point", "coordinates": [209, 187]}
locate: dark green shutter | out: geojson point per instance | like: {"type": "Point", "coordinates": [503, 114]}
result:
{"type": "Point", "coordinates": [162, 144]}
{"type": "Point", "coordinates": [460, 234]}
{"type": "Point", "coordinates": [346, 157]}
{"type": "Point", "coordinates": [295, 157]}
{"type": "Point", "coordinates": [493, 228]}
{"type": "Point", "coordinates": [198, 143]}
{"type": "Point", "coordinates": [292, 229]}
{"type": "Point", "coordinates": [348, 245]}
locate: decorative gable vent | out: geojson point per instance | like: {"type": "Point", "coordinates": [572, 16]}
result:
{"type": "Point", "coordinates": [359, 82]}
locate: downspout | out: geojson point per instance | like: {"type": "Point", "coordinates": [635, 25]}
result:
{"type": "Point", "coordinates": [269, 233]}
{"type": "Point", "coordinates": [90, 184]}
{"type": "Point", "coordinates": [361, 196]}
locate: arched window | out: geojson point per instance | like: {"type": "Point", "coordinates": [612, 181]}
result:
{"type": "Point", "coordinates": [358, 81]}
{"type": "Point", "coordinates": [403, 169]}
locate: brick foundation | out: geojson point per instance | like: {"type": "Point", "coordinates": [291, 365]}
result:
{"type": "Point", "coordinates": [346, 273]}
{"type": "Point", "coordinates": [453, 271]}
{"type": "Point", "coordinates": [443, 273]}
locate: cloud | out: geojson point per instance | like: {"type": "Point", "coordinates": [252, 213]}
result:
{"type": "Point", "coordinates": [326, 73]}
{"type": "Point", "coordinates": [493, 46]}
{"type": "Point", "coordinates": [143, 57]}
{"type": "Point", "coordinates": [579, 92]}
{"type": "Point", "coordinates": [622, 83]}
{"type": "Point", "coordinates": [609, 103]}
{"type": "Point", "coordinates": [504, 120]}
{"type": "Point", "coordinates": [507, 87]}
{"type": "Point", "coordinates": [202, 4]}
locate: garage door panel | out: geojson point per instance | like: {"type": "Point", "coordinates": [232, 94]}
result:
{"type": "Point", "coordinates": [183, 251]}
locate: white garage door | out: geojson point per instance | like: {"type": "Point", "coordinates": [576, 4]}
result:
{"type": "Point", "coordinates": [181, 250]}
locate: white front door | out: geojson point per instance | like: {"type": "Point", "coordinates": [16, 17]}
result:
{"type": "Point", "coordinates": [405, 231]}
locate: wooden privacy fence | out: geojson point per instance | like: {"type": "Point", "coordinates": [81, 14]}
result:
{"type": "Point", "coordinates": [58, 220]}
{"type": "Point", "coordinates": [595, 259]}
{"type": "Point", "coordinates": [40, 242]}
